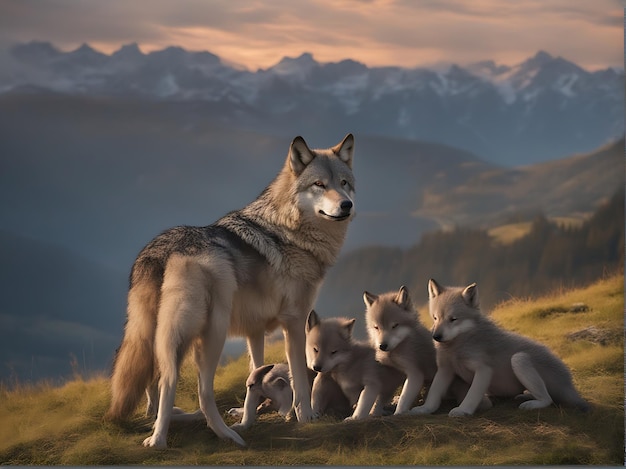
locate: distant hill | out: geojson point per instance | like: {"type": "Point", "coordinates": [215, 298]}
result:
{"type": "Point", "coordinates": [573, 186]}
{"type": "Point", "coordinates": [543, 108]}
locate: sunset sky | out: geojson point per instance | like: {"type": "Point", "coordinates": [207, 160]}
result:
{"type": "Point", "coordinates": [258, 33]}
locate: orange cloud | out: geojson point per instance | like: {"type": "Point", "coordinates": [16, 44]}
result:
{"type": "Point", "coordinates": [377, 32]}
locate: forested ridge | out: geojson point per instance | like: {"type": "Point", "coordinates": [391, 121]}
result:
{"type": "Point", "coordinates": [550, 256]}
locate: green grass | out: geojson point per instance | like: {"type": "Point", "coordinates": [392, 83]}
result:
{"type": "Point", "coordinates": [63, 425]}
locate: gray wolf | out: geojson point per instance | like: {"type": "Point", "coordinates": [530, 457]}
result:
{"type": "Point", "coordinates": [490, 359]}
{"type": "Point", "coordinates": [331, 350]}
{"type": "Point", "coordinates": [253, 270]}
{"type": "Point", "coordinates": [269, 389]}
{"type": "Point", "coordinates": [401, 341]}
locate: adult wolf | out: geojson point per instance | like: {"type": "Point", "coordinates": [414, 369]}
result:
{"type": "Point", "coordinates": [253, 270]}
{"type": "Point", "coordinates": [490, 359]}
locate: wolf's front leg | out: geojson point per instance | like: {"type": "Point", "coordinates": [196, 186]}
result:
{"type": "Point", "coordinates": [366, 401]}
{"type": "Point", "coordinates": [441, 382]}
{"type": "Point", "coordinates": [480, 385]}
{"type": "Point", "coordinates": [294, 333]}
{"type": "Point", "coordinates": [410, 390]}
{"type": "Point", "coordinates": [249, 410]}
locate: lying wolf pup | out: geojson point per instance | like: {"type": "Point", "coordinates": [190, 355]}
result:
{"type": "Point", "coordinates": [269, 389]}
{"type": "Point", "coordinates": [492, 360]}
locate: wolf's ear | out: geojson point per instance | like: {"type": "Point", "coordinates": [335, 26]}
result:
{"type": "Point", "coordinates": [434, 289]}
{"type": "Point", "coordinates": [312, 320]}
{"type": "Point", "coordinates": [280, 382]}
{"type": "Point", "coordinates": [348, 325]}
{"type": "Point", "coordinates": [470, 296]}
{"type": "Point", "coordinates": [257, 375]}
{"type": "Point", "coordinates": [402, 298]}
{"type": "Point", "coordinates": [299, 155]}
{"type": "Point", "coordinates": [345, 149]}
{"type": "Point", "coordinates": [369, 298]}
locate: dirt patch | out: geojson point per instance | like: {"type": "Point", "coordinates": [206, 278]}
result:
{"type": "Point", "coordinates": [596, 335]}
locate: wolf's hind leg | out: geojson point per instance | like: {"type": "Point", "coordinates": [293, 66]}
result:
{"type": "Point", "coordinates": [256, 350]}
{"type": "Point", "coordinates": [532, 381]}
{"type": "Point", "coordinates": [152, 396]}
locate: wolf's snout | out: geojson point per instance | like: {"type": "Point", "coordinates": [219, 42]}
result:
{"type": "Point", "coordinates": [437, 336]}
{"type": "Point", "coordinates": [346, 205]}
{"type": "Point", "coordinates": [317, 368]}
{"type": "Point", "coordinates": [383, 346]}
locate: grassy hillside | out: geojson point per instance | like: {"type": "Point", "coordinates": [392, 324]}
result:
{"type": "Point", "coordinates": [47, 425]}
{"type": "Point", "coordinates": [556, 188]}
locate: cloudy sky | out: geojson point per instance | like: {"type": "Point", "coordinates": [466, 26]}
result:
{"type": "Point", "coordinates": [258, 33]}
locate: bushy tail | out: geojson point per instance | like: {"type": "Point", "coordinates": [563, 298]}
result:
{"type": "Point", "coordinates": [134, 364]}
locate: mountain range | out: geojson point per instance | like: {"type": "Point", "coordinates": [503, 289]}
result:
{"type": "Point", "coordinates": [99, 153]}
{"type": "Point", "coordinates": [543, 108]}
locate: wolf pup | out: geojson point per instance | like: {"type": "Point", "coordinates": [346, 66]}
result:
{"type": "Point", "coordinates": [253, 270]}
{"type": "Point", "coordinates": [330, 350]}
{"type": "Point", "coordinates": [271, 382]}
{"type": "Point", "coordinates": [492, 360]}
{"type": "Point", "coordinates": [400, 341]}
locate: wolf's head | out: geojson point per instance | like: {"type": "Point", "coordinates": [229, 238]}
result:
{"type": "Point", "coordinates": [390, 318]}
{"type": "Point", "coordinates": [328, 342]}
{"type": "Point", "coordinates": [454, 310]}
{"type": "Point", "coordinates": [272, 381]}
{"type": "Point", "coordinates": [324, 179]}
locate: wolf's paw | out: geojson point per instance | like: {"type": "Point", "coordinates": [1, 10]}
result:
{"type": "Point", "coordinates": [303, 415]}
{"type": "Point", "coordinates": [230, 434]}
{"type": "Point", "coordinates": [238, 427]}
{"type": "Point", "coordinates": [534, 404]}
{"type": "Point", "coordinates": [350, 419]}
{"type": "Point", "coordinates": [458, 412]}
{"type": "Point", "coordinates": [419, 410]}
{"type": "Point", "coordinates": [155, 442]}
{"type": "Point", "coordinates": [236, 412]}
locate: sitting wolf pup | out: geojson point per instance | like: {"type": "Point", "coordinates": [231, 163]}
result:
{"type": "Point", "coordinates": [400, 341]}
{"type": "Point", "coordinates": [492, 360]}
{"type": "Point", "coordinates": [330, 350]}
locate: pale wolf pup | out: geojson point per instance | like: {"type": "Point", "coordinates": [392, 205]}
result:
{"type": "Point", "coordinates": [331, 350]}
{"type": "Point", "coordinates": [269, 382]}
{"type": "Point", "coordinates": [492, 360]}
{"type": "Point", "coordinates": [253, 270]}
{"type": "Point", "coordinates": [400, 341]}
{"type": "Point", "coordinates": [268, 389]}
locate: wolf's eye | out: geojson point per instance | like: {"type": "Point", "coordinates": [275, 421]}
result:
{"type": "Point", "coordinates": [452, 319]}
{"type": "Point", "coordinates": [315, 349]}
{"type": "Point", "coordinates": [319, 184]}
{"type": "Point", "coordinates": [376, 327]}
{"type": "Point", "coordinates": [394, 326]}
{"type": "Point", "coordinates": [344, 182]}
{"type": "Point", "coordinates": [333, 352]}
